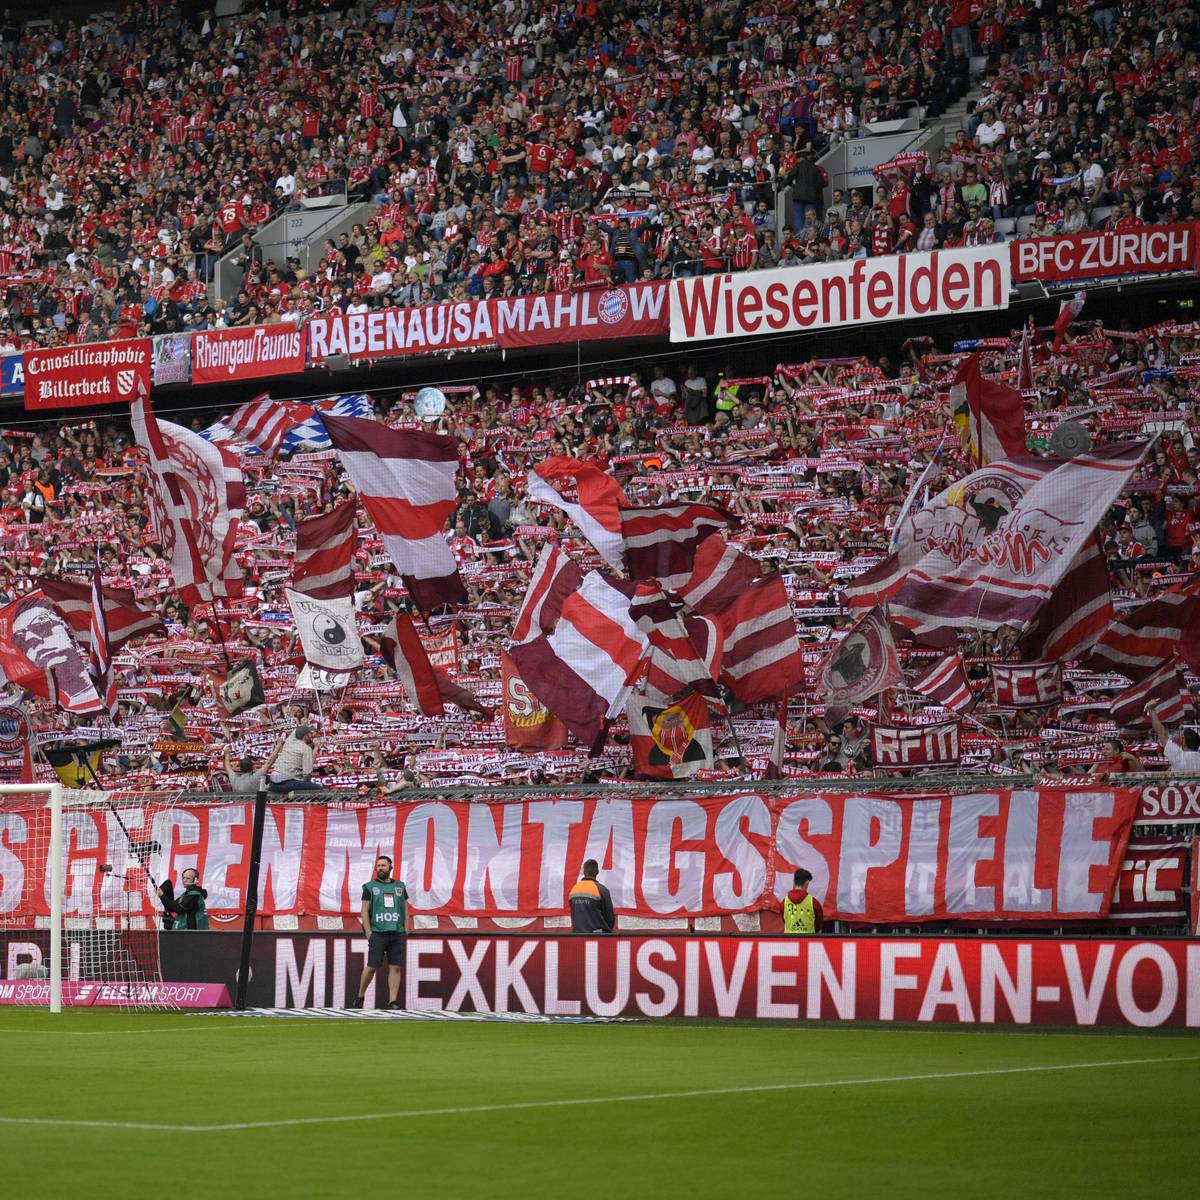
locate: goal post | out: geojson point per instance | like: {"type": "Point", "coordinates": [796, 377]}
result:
{"type": "Point", "coordinates": [80, 915]}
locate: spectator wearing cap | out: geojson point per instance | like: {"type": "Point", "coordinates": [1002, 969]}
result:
{"type": "Point", "coordinates": [294, 764]}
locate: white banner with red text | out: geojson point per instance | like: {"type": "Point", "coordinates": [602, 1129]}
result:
{"type": "Point", "coordinates": [1044, 854]}
{"type": "Point", "coordinates": [252, 352]}
{"type": "Point", "coordinates": [1148, 250]}
{"type": "Point", "coordinates": [96, 373]}
{"type": "Point", "coordinates": [1055, 981]}
{"type": "Point", "coordinates": [556, 318]}
{"type": "Point", "coordinates": [798, 299]}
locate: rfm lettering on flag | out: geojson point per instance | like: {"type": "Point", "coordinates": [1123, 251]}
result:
{"type": "Point", "coordinates": [919, 746]}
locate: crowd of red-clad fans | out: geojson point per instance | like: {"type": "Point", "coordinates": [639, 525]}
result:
{"type": "Point", "coordinates": [503, 142]}
{"type": "Point", "coordinates": [814, 458]}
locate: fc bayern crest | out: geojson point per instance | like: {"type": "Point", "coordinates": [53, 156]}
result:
{"type": "Point", "coordinates": [613, 306]}
{"type": "Point", "coordinates": [15, 730]}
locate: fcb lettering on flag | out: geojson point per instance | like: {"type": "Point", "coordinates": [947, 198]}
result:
{"type": "Point", "coordinates": [406, 481]}
{"type": "Point", "coordinates": [900, 748]}
{"type": "Point", "coordinates": [990, 416]}
{"type": "Point", "coordinates": [597, 514]}
{"type": "Point", "coordinates": [528, 723]}
{"type": "Point", "coordinates": [196, 496]}
{"type": "Point", "coordinates": [671, 741]}
{"type": "Point", "coordinates": [661, 542]}
{"type": "Point", "coordinates": [325, 546]}
{"type": "Point", "coordinates": [1026, 685]}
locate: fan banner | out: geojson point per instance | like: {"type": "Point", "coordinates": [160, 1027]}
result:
{"type": "Point", "coordinates": [1026, 685]}
{"type": "Point", "coordinates": [860, 291]}
{"type": "Point", "coordinates": [78, 376]}
{"type": "Point", "coordinates": [1048, 854]}
{"type": "Point", "coordinates": [327, 631]}
{"type": "Point", "coordinates": [251, 352]}
{"type": "Point", "coordinates": [898, 748]}
{"type": "Point", "coordinates": [1176, 803]}
{"type": "Point", "coordinates": [1151, 250]}
{"type": "Point", "coordinates": [1152, 886]}
{"type": "Point", "coordinates": [1126, 982]}
{"type": "Point", "coordinates": [639, 310]}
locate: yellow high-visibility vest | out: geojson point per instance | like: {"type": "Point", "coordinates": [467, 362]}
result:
{"type": "Point", "coordinates": [799, 918]}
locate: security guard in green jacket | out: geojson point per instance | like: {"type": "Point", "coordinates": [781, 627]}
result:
{"type": "Point", "coordinates": [801, 912]}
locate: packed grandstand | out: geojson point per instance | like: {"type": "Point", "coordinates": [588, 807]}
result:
{"type": "Point", "coordinates": [517, 150]}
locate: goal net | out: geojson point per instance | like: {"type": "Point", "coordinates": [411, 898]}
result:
{"type": "Point", "coordinates": [80, 914]}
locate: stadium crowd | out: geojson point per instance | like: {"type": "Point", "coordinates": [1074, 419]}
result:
{"type": "Point", "coordinates": [529, 146]}
{"type": "Point", "coordinates": [814, 458]}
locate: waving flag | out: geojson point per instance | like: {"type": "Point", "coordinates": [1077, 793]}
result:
{"type": "Point", "coordinates": [328, 631]}
{"type": "Point", "coordinates": [720, 573]}
{"type": "Point", "coordinates": [1066, 314]}
{"type": "Point", "coordinates": [862, 665]}
{"type": "Point", "coordinates": [583, 671]}
{"type": "Point", "coordinates": [671, 740]}
{"type": "Point", "coordinates": [1137, 643]}
{"type": "Point", "coordinates": [196, 496]}
{"type": "Point", "coordinates": [762, 658]}
{"type": "Point", "coordinates": [661, 542]}
{"type": "Point", "coordinates": [555, 576]}
{"type": "Point", "coordinates": [103, 679]}
{"type": "Point", "coordinates": [685, 648]}
{"type": "Point", "coordinates": [1163, 692]}
{"type": "Point", "coordinates": [124, 618]}
{"type": "Point", "coordinates": [311, 434]}
{"type": "Point", "coordinates": [33, 628]}
{"type": "Point", "coordinates": [402, 648]}
{"type": "Point", "coordinates": [264, 422]}
{"type": "Point", "coordinates": [325, 545]}
{"type": "Point", "coordinates": [598, 512]}
{"type": "Point", "coordinates": [989, 551]}
{"type": "Point", "coordinates": [405, 479]}
{"type": "Point", "coordinates": [945, 683]}
{"type": "Point", "coordinates": [990, 417]}
{"type": "Point", "coordinates": [1077, 612]}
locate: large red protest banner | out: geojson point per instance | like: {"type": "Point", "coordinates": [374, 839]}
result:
{"type": "Point", "coordinates": [98, 373]}
{"type": "Point", "coordinates": [1055, 981]}
{"type": "Point", "coordinates": [253, 352]}
{"type": "Point", "coordinates": [558, 317]}
{"type": "Point", "coordinates": [1174, 803]}
{"type": "Point", "coordinates": [1045, 854]}
{"type": "Point", "coordinates": [1150, 250]}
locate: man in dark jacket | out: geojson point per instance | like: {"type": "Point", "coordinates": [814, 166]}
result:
{"type": "Point", "coordinates": [188, 907]}
{"type": "Point", "coordinates": [591, 903]}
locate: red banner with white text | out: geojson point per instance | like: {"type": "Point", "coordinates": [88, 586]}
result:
{"type": "Point", "coordinates": [1149, 250]}
{"type": "Point", "coordinates": [1045, 854]}
{"type": "Point", "coordinates": [252, 352]}
{"type": "Point", "coordinates": [511, 322]}
{"type": "Point", "coordinates": [1133, 983]}
{"type": "Point", "coordinates": [96, 373]}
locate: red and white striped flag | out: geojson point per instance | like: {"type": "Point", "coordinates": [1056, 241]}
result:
{"type": "Point", "coordinates": [555, 576]}
{"type": "Point", "coordinates": [598, 511]}
{"type": "Point", "coordinates": [196, 496]}
{"type": "Point", "coordinates": [685, 648]}
{"type": "Point", "coordinates": [720, 573]}
{"type": "Point", "coordinates": [762, 658]}
{"type": "Point", "coordinates": [990, 417]}
{"type": "Point", "coordinates": [125, 619]}
{"type": "Point", "coordinates": [1066, 314]}
{"type": "Point", "coordinates": [405, 479]}
{"type": "Point", "coordinates": [1025, 361]}
{"type": "Point", "coordinates": [945, 683]}
{"type": "Point", "coordinates": [1163, 691]}
{"type": "Point", "coordinates": [661, 542]}
{"type": "Point", "coordinates": [325, 545]}
{"type": "Point", "coordinates": [1077, 612]}
{"type": "Point", "coordinates": [584, 669]}
{"type": "Point", "coordinates": [101, 665]}
{"type": "Point", "coordinates": [1137, 643]}
{"type": "Point", "coordinates": [402, 648]}
{"type": "Point", "coordinates": [264, 422]}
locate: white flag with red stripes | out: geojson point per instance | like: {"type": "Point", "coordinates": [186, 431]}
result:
{"type": "Point", "coordinates": [584, 670]}
{"type": "Point", "coordinates": [402, 648]}
{"type": "Point", "coordinates": [101, 665]}
{"type": "Point", "coordinates": [264, 422]}
{"type": "Point", "coordinates": [1138, 642]}
{"type": "Point", "coordinates": [325, 546]}
{"type": "Point", "coordinates": [945, 683]}
{"type": "Point", "coordinates": [196, 496]}
{"type": "Point", "coordinates": [686, 649]}
{"type": "Point", "coordinates": [661, 542]}
{"type": "Point", "coordinates": [1163, 692]}
{"type": "Point", "coordinates": [762, 658]}
{"type": "Point", "coordinates": [555, 576]}
{"type": "Point", "coordinates": [720, 573]}
{"type": "Point", "coordinates": [597, 514]}
{"type": "Point", "coordinates": [406, 481]}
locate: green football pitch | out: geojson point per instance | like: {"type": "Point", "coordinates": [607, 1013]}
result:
{"type": "Point", "coordinates": [101, 1104]}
